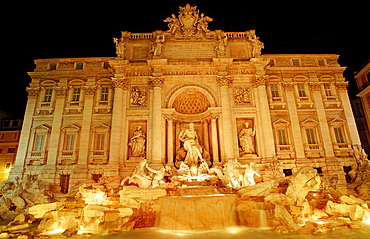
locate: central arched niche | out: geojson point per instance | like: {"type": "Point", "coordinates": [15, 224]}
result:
{"type": "Point", "coordinates": [191, 101]}
{"type": "Point", "coordinates": [200, 95]}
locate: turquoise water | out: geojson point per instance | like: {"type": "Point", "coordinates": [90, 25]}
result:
{"type": "Point", "coordinates": [238, 232]}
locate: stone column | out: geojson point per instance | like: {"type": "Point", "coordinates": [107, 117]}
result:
{"type": "Point", "coordinates": [205, 135]}
{"type": "Point", "coordinates": [89, 93]}
{"type": "Point", "coordinates": [177, 131]}
{"type": "Point", "coordinates": [170, 140]}
{"type": "Point", "coordinates": [227, 124]}
{"type": "Point", "coordinates": [216, 159]}
{"type": "Point", "coordinates": [294, 121]}
{"type": "Point", "coordinates": [156, 83]}
{"type": "Point", "coordinates": [343, 96]}
{"type": "Point", "coordinates": [55, 132]}
{"type": "Point", "coordinates": [118, 116]}
{"type": "Point", "coordinates": [264, 115]}
{"type": "Point", "coordinates": [19, 165]}
{"type": "Point", "coordinates": [323, 122]}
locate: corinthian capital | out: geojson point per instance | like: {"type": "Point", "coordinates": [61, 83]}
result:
{"type": "Point", "coordinates": [260, 80]}
{"type": "Point", "coordinates": [89, 90]}
{"type": "Point", "coordinates": [315, 86]}
{"type": "Point", "coordinates": [224, 81]}
{"type": "Point", "coordinates": [33, 91]}
{"type": "Point", "coordinates": [342, 86]}
{"type": "Point", "coordinates": [120, 83]}
{"type": "Point", "coordinates": [60, 90]}
{"type": "Point", "coordinates": [155, 82]}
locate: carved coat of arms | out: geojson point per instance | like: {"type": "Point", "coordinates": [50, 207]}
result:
{"type": "Point", "coordinates": [188, 22]}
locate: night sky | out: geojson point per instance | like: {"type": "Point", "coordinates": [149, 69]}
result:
{"type": "Point", "coordinates": [64, 29]}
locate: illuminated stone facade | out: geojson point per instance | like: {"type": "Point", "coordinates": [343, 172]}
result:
{"type": "Point", "coordinates": [93, 117]}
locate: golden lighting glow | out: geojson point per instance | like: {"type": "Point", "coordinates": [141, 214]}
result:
{"type": "Point", "coordinates": [54, 232]}
{"type": "Point", "coordinates": [96, 197]}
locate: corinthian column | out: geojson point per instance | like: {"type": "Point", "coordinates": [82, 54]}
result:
{"type": "Point", "coordinates": [227, 124]}
{"type": "Point", "coordinates": [156, 84]}
{"type": "Point", "coordinates": [118, 120]}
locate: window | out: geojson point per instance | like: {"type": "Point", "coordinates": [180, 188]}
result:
{"type": "Point", "coordinates": [76, 94]}
{"type": "Point", "coordinates": [321, 62]}
{"type": "Point", "coordinates": [96, 177]}
{"type": "Point", "coordinates": [7, 167]}
{"type": "Point", "coordinates": [1, 150]}
{"type": "Point", "coordinates": [48, 94]}
{"type": "Point", "coordinates": [287, 172]}
{"type": "Point", "coordinates": [79, 66]}
{"type": "Point", "coordinates": [99, 141]}
{"type": "Point", "coordinates": [104, 93]}
{"type": "Point", "coordinates": [64, 183]}
{"type": "Point", "coordinates": [39, 142]}
{"type": "Point", "coordinates": [11, 150]}
{"type": "Point", "coordinates": [311, 138]}
{"type": "Point", "coordinates": [296, 62]}
{"type": "Point", "coordinates": [318, 170]}
{"type": "Point", "coordinates": [6, 123]}
{"type": "Point", "coordinates": [271, 62]}
{"type": "Point", "coordinates": [281, 136]}
{"type": "Point", "coordinates": [327, 89]}
{"type": "Point", "coordinates": [15, 123]}
{"type": "Point", "coordinates": [2, 136]}
{"type": "Point", "coordinates": [339, 136]}
{"type": "Point", "coordinates": [301, 90]}
{"type": "Point", "coordinates": [70, 142]}
{"type": "Point", "coordinates": [106, 65]}
{"type": "Point", "coordinates": [274, 90]}
{"type": "Point", "coordinates": [15, 135]}
{"type": "Point", "coordinates": [52, 67]}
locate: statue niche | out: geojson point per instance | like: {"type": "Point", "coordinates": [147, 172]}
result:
{"type": "Point", "coordinates": [246, 139]}
{"type": "Point", "coordinates": [137, 142]}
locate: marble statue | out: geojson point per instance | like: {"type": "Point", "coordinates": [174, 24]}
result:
{"type": "Point", "coordinates": [257, 45]}
{"type": "Point", "coordinates": [137, 142]}
{"type": "Point", "coordinates": [190, 139]}
{"type": "Point", "coordinates": [248, 178]}
{"type": "Point", "coordinates": [173, 24]}
{"type": "Point", "coordinates": [246, 139]}
{"type": "Point", "coordinates": [120, 48]}
{"type": "Point", "coordinates": [221, 44]}
{"type": "Point", "coordinates": [202, 23]}
{"type": "Point", "coordinates": [157, 46]}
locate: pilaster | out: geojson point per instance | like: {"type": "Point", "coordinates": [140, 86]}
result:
{"type": "Point", "coordinates": [343, 96]}
{"type": "Point", "coordinates": [227, 124]}
{"type": "Point", "coordinates": [89, 92]}
{"type": "Point", "coordinates": [294, 121]}
{"type": "Point", "coordinates": [264, 116]}
{"type": "Point", "coordinates": [51, 162]}
{"type": "Point", "coordinates": [323, 122]}
{"type": "Point", "coordinates": [156, 83]}
{"type": "Point", "coordinates": [19, 165]}
{"type": "Point", "coordinates": [118, 119]}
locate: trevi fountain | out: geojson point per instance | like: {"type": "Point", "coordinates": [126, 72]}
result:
{"type": "Point", "coordinates": [227, 147]}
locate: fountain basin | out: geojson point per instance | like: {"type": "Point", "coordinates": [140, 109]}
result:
{"type": "Point", "coordinates": [196, 212]}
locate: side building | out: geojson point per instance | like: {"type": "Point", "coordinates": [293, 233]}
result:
{"type": "Point", "coordinates": [10, 131]}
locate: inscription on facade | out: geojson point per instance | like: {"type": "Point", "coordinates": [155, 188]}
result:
{"type": "Point", "coordinates": [189, 50]}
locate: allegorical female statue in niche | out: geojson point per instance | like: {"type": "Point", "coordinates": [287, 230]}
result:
{"type": "Point", "coordinates": [137, 142]}
{"type": "Point", "coordinates": [246, 139]}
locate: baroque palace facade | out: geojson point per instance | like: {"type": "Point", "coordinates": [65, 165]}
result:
{"type": "Point", "coordinates": [88, 118]}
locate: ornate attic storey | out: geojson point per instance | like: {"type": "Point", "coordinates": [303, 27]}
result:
{"type": "Point", "coordinates": [96, 117]}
